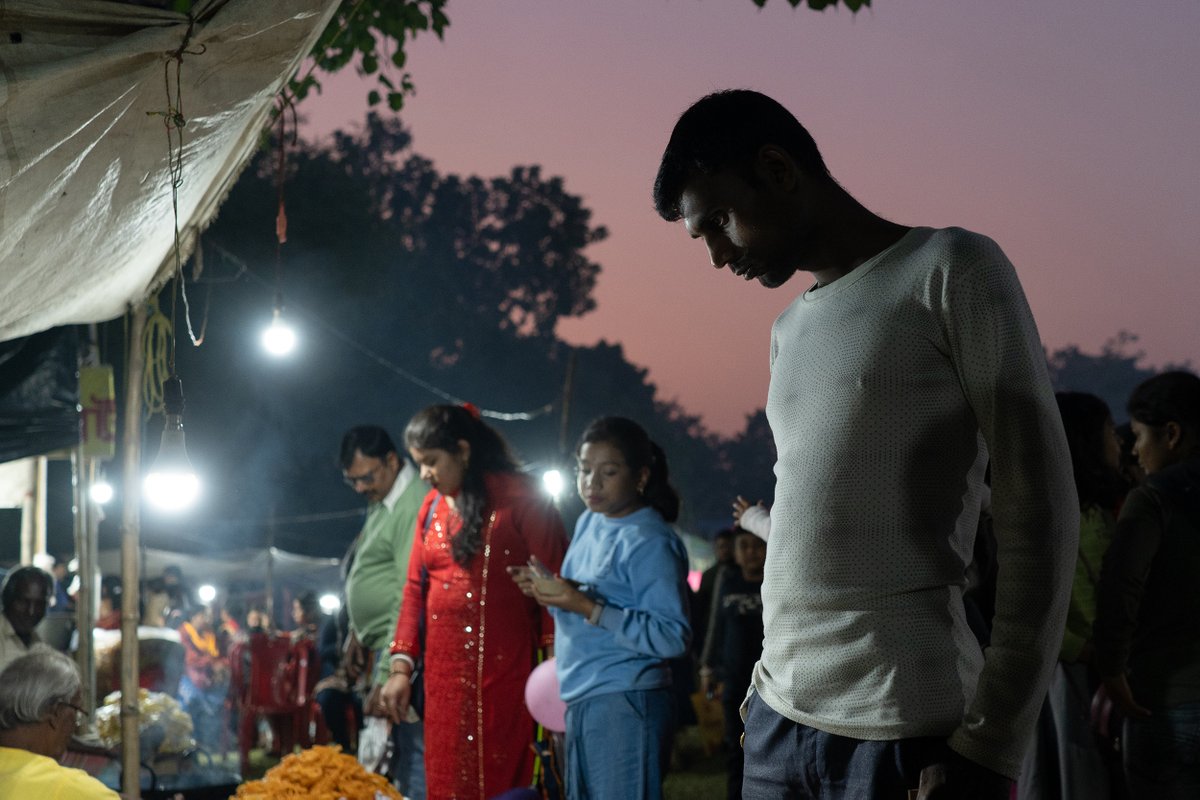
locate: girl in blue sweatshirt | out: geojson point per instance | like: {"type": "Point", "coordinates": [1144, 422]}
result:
{"type": "Point", "coordinates": [619, 609]}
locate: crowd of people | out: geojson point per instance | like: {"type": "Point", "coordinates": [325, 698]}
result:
{"type": "Point", "coordinates": [960, 589]}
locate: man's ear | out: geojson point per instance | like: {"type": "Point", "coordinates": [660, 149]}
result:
{"type": "Point", "coordinates": [1174, 434]}
{"type": "Point", "coordinates": [777, 167]}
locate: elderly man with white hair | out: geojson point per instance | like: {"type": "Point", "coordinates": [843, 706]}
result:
{"type": "Point", "coordinates": [40, 693]}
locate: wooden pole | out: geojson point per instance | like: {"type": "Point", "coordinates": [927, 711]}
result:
{"type": "Point", "coordinates": [85, 618]}
{"type": "Point", "coordinates": [131, 485]}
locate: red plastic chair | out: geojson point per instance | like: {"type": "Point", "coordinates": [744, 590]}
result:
{"type": "Point", "coordinates": [273, 677]}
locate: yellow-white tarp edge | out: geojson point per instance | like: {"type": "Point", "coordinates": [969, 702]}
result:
{"type": "Point", "coordinates": [86, 223]}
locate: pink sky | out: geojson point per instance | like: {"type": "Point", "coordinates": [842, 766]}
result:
{"type": "Point", "coordinates": [1068, 132]}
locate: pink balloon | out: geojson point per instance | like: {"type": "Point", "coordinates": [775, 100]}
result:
{"type": "Point", "coordinates": [542, 698]}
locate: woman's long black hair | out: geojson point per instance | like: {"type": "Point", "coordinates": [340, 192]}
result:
{"type": "Point", "coordinates": [1172, 396]}
{"type": "Point", "coordinates": [1098, 484]}
{"type": "Point", "coordinates": [639, 451]}
{"type": "Point", "coordinates": [442, 427]}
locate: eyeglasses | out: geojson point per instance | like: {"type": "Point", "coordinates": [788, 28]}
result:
{"type": "Point", "coordinates": [81, 715]}
{"type": "Point", "coordinates": [366, 480]}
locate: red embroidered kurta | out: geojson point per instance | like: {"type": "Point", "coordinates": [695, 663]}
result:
{"type": "Point", "coordinates": [481, 639]}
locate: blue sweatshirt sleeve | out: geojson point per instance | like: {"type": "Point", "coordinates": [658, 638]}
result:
{"type": "Point", "coordinates": [656, 623]}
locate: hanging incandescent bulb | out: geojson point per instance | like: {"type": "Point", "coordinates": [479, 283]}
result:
{"type": "Point", "coordinates": [279, 339]}
{"type": "Point", "coordinates": [171, 484]}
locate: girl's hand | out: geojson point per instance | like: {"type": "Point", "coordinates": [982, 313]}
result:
{"type": "Point", "coordinates": [523, 577]}
{"type": "Point", "coordinates": [396, 695]}
{"type": "Point", "coordinates": [560, 592]}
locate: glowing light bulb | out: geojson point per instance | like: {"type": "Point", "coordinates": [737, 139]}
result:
{"type": "Point", "coordinates": [101, 492]}
{"type": "Point", "coordinates": [207, 593]}
{"type": "Point", "coordinates": [330, 603]}
{"type": "Point", "coordinates": [553, 482]}
{"type": "Point", "coordinates": [279, 339]}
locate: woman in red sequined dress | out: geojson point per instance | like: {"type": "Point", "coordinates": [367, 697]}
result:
{"type": "Point", "coordinates": [481, 634]}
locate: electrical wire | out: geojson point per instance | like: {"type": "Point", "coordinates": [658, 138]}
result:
{"type": "Point", "coordinates": [503, 416]}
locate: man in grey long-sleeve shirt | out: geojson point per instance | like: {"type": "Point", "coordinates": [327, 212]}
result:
{"type": "Point", "coordinates": [912, 362]}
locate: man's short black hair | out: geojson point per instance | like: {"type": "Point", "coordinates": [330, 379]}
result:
{"type": "Point", "coordinates": [726, 130]}
{"type": "Point", "coordinates": [724, 533]}
{"type": "Point", "coordinates": [15, 580]}
{"type": "Point", "coordinates": [371, 440]}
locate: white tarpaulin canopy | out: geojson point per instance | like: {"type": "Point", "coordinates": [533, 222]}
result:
{"type": "Point", "coordinates": [248, 566]}
{"type": "Point", "coordinates": [86, 222]}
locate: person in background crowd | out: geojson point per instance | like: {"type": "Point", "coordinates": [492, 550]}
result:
{"type": "Point", "coordinates": [1147, 637]}
{"type": "Point", "coordinates": [108, 615]}
{"type": "Point", "coordinates": [258, 621]}
{"type": "Point", "coordinates": [340, 706]}
{"type": "Point", "coordinates": [911, 359]}
{"type": "Point", "coordinates": [753, 517]}
{"type": "Point", "coordinates": [62, 583]}
{"type": "Point", "coordinates": [481, 634]}
{"type": "Point", "coordinates": [179, 596]}
{"type": "Point", "coordinates": [40, 707]}
{"type": "Point", "coordinates": [1064, 761]}
{"type": "Point", "coordinates": [307, 616]}
{"type": "Point", "coordinates": [734, 643]}
{"type": "Point", "coordinates": [25, 597]}
{"type": "Point", "coordinates": [375, 574]}
{"type": "Point", "coordinates": [620, 610]}
{"type": "Point", "coordinates": [701, 606]}
{"type": "Point", "coordinates": [205, 682]}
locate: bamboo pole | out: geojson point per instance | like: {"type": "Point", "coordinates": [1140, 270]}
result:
{"type": "Point", "coordinates": [131, 485]}
{"type": "Point", "coordinates": [85, 618]}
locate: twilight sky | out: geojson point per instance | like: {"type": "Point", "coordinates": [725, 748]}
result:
{"type": "Point", "coordinates": [1069, 132]}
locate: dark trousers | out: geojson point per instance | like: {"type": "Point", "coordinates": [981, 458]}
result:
{"type": "Point", "coordinates": [787, 760]}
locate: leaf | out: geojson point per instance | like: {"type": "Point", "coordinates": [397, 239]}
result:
{"type": "Point", "coordinates": [373, 97]}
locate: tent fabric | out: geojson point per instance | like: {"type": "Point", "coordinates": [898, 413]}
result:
{"type": "Point", "coordinates": [86, 221]}
{"type": "Point", "coordinates": [247, 566]}
{"type": "Point", "coordinates": [39, 394]}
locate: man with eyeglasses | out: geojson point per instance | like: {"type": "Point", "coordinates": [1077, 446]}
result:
{"type": "Point", "coordinates": [375, 469]}
{"type": "Point", "coordinates": [25, 596]}
{"type": "Point", "coordinates": [39, 710]}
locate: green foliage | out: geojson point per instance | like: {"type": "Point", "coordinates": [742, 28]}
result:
{"type": "Point", "coordinates": [376, 32]}
{"type": "Point", "coordinates": [821, 5]}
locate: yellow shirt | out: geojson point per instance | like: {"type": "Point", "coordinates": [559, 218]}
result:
{"type": "Point", "coordinates": [26, 774]}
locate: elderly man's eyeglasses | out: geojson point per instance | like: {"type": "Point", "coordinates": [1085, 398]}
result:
{"type": "Point", "coordinates": [365, 480]}
{"type": "Point", "coordinates": [81, 715]}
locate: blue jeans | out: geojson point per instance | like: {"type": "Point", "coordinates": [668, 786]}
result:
{"type": "Point", "coordinates": [1162, 754]}
{"type": "Point", "coordinates": [408, 759]}
{"type": "Point", "coordinates": [785, 759]}
{"type": "Point", "coordinates": [206, 708]}
{"type": "Point", "coordinates": [619, 745]}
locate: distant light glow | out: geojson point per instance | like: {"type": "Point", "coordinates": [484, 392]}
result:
{"type": "Point", "coordinates": [207, 593]}
{"type": "Point", "coordinates": [172, 491]}
{"type": "Point", "coordinates": [101, 492]}
{"type": "Point", "coordinates": [279, 339]}
{"type": "Point", "coordinates": [553, 482]}
{"type": "Point", "coordinates": [330, 603]}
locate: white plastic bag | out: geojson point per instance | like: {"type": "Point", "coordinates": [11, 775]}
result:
{"type": "Point", "coordinates": [375, 745]}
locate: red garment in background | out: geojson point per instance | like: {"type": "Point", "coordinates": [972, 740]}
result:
{"type": "Point", "coordinates": [481, 639]}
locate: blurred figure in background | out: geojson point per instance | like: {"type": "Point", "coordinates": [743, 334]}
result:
{"type": "Point", "coordinates": [1064, 761]}
{"type": "Point", "coordinates": [24, 597]}
{"type": "Point", "coordinates": [735, 635]}
{"type": "Point", "coordinates": [1147, 636]}
{"type": "Point", "coordinates": [205, 682]}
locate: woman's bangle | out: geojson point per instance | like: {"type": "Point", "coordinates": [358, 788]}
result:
{"type": "Point", "coordinates": [400, 668]}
